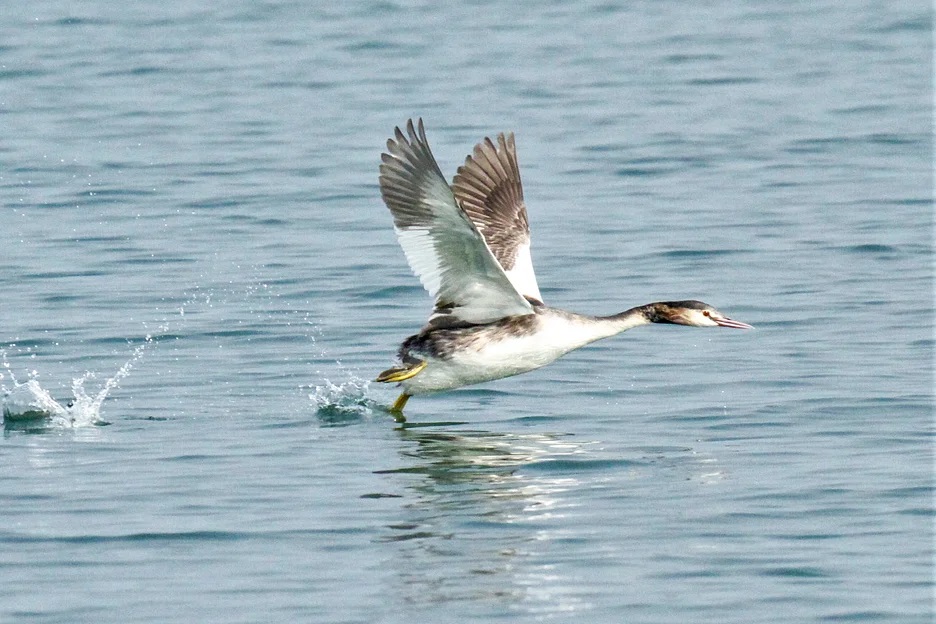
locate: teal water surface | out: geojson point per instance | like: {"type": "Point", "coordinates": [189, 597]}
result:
{"type": "Point", "coordinates": [196, 256]}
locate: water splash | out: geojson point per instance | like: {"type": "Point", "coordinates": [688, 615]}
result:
{"type": "Point", "coordinates": [29, 401]}
{"type": "Point", "coordinates": [86, 408]}
{"type": "Point", "coordinates": [344, 402]}
{"type": "Point", "coordinates": [335, 402]}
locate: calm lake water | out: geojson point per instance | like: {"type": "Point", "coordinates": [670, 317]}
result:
{"type": "Point", "coordinates": [195, 253]}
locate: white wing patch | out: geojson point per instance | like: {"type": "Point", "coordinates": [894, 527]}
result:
{"type": "Point", "coordinates": [521, 275]}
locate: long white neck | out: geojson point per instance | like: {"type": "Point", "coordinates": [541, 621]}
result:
{"type": "Point", "coordinates": [576, 330]}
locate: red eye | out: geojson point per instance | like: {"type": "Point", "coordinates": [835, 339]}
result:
{"type": "Point", "coordinates": [706, 313]}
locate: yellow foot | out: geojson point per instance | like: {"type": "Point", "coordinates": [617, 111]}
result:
{"type": "Point", "coordinates": [397, 409]}
{"type": "Point", "coordinates": [402, 372]}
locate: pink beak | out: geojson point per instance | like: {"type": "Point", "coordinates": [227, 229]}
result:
{"type": "Point", "coordinates": [727, 322]}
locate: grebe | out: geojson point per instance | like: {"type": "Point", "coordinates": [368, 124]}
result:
{"type": "Point", "coordinates": [469, 244]}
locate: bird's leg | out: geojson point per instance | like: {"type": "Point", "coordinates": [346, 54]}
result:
{"type": "Point", "coordinates": [397, 408]}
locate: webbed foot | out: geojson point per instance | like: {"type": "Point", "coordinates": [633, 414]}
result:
{"type": "Point", "coordinates": [402, 372]}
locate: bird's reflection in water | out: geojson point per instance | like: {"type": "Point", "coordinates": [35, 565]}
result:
{"type": "Point", "coordinates": [480, 515]}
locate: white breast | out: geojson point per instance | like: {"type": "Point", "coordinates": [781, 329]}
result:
{"type": "Point", "coordinates": [495, 357]}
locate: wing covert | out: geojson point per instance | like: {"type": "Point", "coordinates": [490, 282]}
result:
{"type": "Point", "coordinates": [443, 246]}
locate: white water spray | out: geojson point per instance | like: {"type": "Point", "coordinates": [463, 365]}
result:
{"type": "Point", "coordinates": [29, 401]}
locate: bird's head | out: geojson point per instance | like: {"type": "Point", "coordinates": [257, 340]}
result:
{"type": "Point", "coordinates": [693, 313]}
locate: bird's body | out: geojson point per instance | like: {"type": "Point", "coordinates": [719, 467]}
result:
{"type": "Point", "coordinates": [470, 246]}
{"type": "Point", "coordinates": [463, 356]}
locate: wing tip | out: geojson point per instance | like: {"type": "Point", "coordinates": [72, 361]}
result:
{"type": "Point", "coordinates": [414, 134]}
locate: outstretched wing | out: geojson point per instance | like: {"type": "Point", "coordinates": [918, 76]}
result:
{"type": "Point", "coordinates": [443, 247]}
{"type": "Point", "coordinates": [488, 189]}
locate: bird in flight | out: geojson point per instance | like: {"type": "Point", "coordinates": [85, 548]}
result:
{"type": "Point", "coordinates": [469, 244]}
